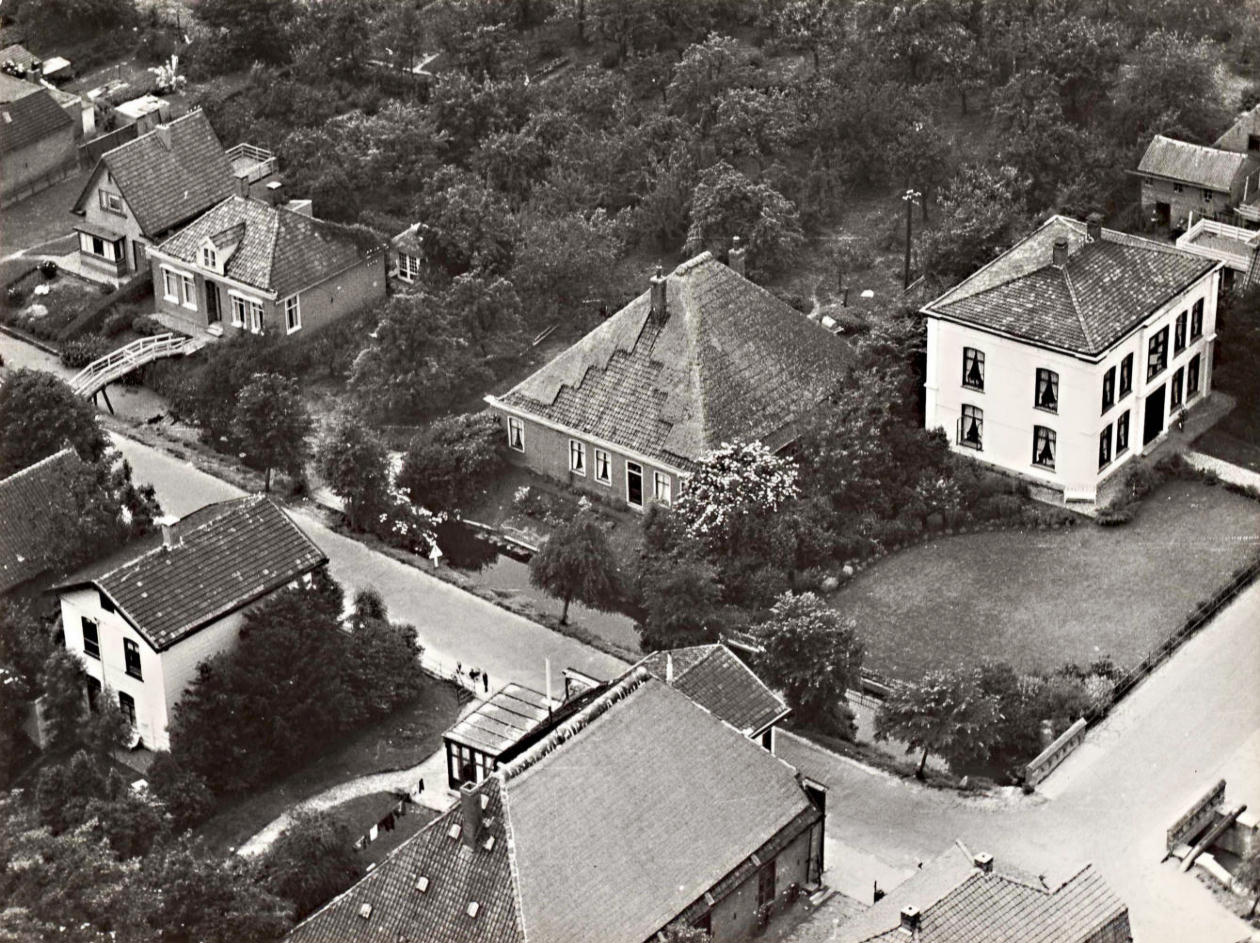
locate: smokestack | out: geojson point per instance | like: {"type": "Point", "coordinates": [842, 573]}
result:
{"type": "Point", "coordinates": [983, 862]}
{"type": "Point", "coordinates": [735, 259]}
{"type": "Point", "coordinates": [1060, 251]}
{"type": "Point", "coordinates": [470, 803]}
{"type": "Point", "coordinates": [1093, 226]}
{"type": "Point", "coordinates": [658, 295]}
{"type": "Point", "coordinates": [669, 668]}
{"type": "Point", "coordinates": [910, 918]}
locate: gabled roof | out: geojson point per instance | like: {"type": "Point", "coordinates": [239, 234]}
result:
{"type": "Point", "coordinates": [169, 175]}
{"type": "Point", "coordinates": [222, 557]}
{"type": "Point", "coordinates": [1106, 289]}
{"type": "Point", "coordinates": [606, 830]}
{"type": "Point", "coordinates": [1235, 139]}
{"type": "Point", "coordinates": [730, 362]}
{"type": "Point", "coordinates": [28, 113]}
{"type": "Point", "coordinates": [960, 903]}
{"type": "Point", "coordinates": [279, 250]}
{"type": "Point", "coordinates": [19, 55]}
{"type": "Point", "coordinates": [34, 503]}
{"type": "Point", "coordinates": [1192, 163]}
{"type": "Point", "coordinates": [713, 677]}
{"type": "Point", "coordinates": [502, 721]}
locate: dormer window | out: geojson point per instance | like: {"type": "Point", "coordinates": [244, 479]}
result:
{"type": "Point", "coordinates": [210, 258]}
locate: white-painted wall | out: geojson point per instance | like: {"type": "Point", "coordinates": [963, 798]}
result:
{"type": "Point", "coordinates": [1010, 388]}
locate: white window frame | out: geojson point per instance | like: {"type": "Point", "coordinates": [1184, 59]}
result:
{"type": "Point", "coordinates": [577, 457]}
{"type": "Point", "coordinates": [170, 278]}
{"type": "Point", "coordinates": [292, 314]}
{"type": "Point", "coordinates": [601, 455]}
{"type": "Point", "coordinates": [189, 286]}
{"type": "Point", "coordinates": [209, 258]}
{"type": "Point", "coordinates": [516, 434]}
{"type": "Point", "coordinates": [408, 266]}
{"type": "Point", "coordinates": [240, 309]}
{"type": "Point", "coordinates": [111, 203]}
{"type": "Point", "coordinates": [255, 316]}
{"type": "Point", "coordinates": [662, 488]}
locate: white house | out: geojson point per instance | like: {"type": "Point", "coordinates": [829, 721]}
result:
{"type": "Point", "coordinates": [1071, 353]}
{"type": "Point", "coordinates": [143, 619]}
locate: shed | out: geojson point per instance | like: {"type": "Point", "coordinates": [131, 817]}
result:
{"type": "Point", "coordinates": [475, 745]}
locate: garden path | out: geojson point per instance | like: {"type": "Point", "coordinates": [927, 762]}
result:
{"type": "Point", "coordinates": [1227, 471]}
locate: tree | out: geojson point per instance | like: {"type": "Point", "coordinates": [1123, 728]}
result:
{"type": "Point", "coordinates": [576, 562]}
{"type": "Point", "coordinates": [1248, 875]}
{"type": "Point", "coordinates": [980, 209]}
{"type": "Point", "coordinates": [39, 414]}
{"type": "Point", "coordinates": [181, 791]}
{"type": "Point", "coordinates": [734, 494]}
{"type": "Point", "coordinates": [680, 596]}
{"type": "Point", "coordinates": [467, 225]}
{"type": "Point", "coordinates": [452, 461]}
{"type": "Point", "coordinates": [813, 26]}
{"type": "Point", "coordinates": [257, 29]}
{"type": "Point", "coordinates": [946, 713]}
{"type": "Point", "coordinates": [488, 311]}
{"type": "Point", "coordinates": [726, 203]}
{"type": "Point", "coordinates": [61, 682]}
{"type": "Point", "coordinates": [354, 462]}
{"type": "Point", "coordinates": [813, 655]}
{"type": "Point", "coordinates": [706, 70]}
{"type": "Point", "coordinates": [272, 423]}
{"type": "Point", "coordinates": [312, 861]}
{"type": "Point", "coordinates": [563, 263]}
{"type": "Point", "coordinates": [753, 123]}
{"type": "Point", "coordinates": [1178, 97]}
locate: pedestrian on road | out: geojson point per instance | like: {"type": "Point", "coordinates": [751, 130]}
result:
{"type": "Point", "coordinates": [485, 679]}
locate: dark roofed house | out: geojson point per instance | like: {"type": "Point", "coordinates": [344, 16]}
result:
{"type": "Point", "coordinates": [37, 139]}
{"type": "Point", "coordinates": [34, 504]}
{"type": "Point", "coordinates": [703, 358]}
{"type": "Point", "coordinates": [639, 810]}
{"type": "Point", "coordinates": [246, 265]}
{"type": "Point", "coordinates": [1182, 182]}
{"type": "Point", "coordinates": [142, 619]}
{"type": "Point", "coordinates": [961, 898]}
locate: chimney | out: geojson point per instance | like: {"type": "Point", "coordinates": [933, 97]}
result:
{"type": "Point", "coordinates": [735, 259]}
{"type": "Point", "coordinates": [163, 132]}
{"type": "Point", "coordinates": [669, 668]}
{"type": "Point", "coordinates": [910, 918]}
{"type": "Point", "coordinates": [1060, 251]}
{"type": "Point", "coordinates": [1093, 226]}
{"type": "Point", "coordinates": [658, 295]}
{"type": "Point", "coordinates": [470, 803]}
{"type": "Point", "coordinates": [168, 538]}
{"type": "Point", "coordinates": [275, 191]}
{"type": "Point", "coordinates": [983, 862]}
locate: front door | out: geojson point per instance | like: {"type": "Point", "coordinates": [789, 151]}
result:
{"type": "Point", "coordinates": [1153, 422]}
{"type": "Point", "coordinates": [634, 484]}
{"type": "Point", "coordinates": [213, 315]}
{"type": "Point", "coordinates": [140, 254]}
{"type": "Point", "coordinates": [1163, 214]}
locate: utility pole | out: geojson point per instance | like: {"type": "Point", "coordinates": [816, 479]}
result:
{"type": "Point", "coordinates": [910, 196]}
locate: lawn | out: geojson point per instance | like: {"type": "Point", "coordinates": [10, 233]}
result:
{"type": "Point", "coordinates": [1220, 443]}
{"type": "Point", "coordinates": [42, 218]}
{"type": "Point", "coordinates": [405, 738]}
{"type": "Point", "coordinates": [360, 814]}
{"type": "Point", "coordinates": [1042, 598]}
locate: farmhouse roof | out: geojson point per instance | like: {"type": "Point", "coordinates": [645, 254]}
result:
{"type": "Point", "coordinates": [606, 830]}
{"type": "Point", "coordinates": [1239, 133]}
{"type": "Point", "coordinates": [1106, 288]}
{"type": "Point", "coordinates": [221, 558]}
{"type": "Point", "coordinates": [28, 113]}
{"type": "Point", "coordinates": [1192, 163]}
{"type": "Point", "coordinates": [713, 677]}
{"type": "Point", "coordinates": [34, 503]}
{"type": "Point", "coordinates": [728, 361]}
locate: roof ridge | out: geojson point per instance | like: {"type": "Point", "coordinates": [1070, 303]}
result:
{"type": "Point", "coordinates": [47, 459]}
{"type": "Point", "coordinates": [1076, 308]}
{"type": "Point", "coordinates": [994, 261]}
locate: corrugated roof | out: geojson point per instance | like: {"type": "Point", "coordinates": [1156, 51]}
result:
{"type": "Point", "coordinates": [222, 558]}
{"type": "Point", "coordinates": [502, 721]}
{"type": "Point", "coordinates": [715, 678]}
{"type": "Point", "coordinates": [169, 175]}
{"type": "Point", "coordinates": [1193, 163]}
{"type": "Point", "coordinates": [28, 113]}
{"type": "Point", "coordinates": [278, 250]}
{"type": "Point", "coordinates": [612, 825]}
{"type": "Point", "coordinates": [34, 502]}
{"type": "Point", "coordinates": [729, 362]}
{"type": "Point", "coordinates": [1107, 287]}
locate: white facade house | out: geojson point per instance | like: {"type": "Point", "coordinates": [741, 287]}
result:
{"type": "Point", "coordinates": [1071, 353]}
{"type": "Point", "coordinates": [142, 620]}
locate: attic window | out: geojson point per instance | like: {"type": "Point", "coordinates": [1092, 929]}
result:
{"type": "Point", "coordinates": [453, 831]}
{"type": "Point", "coordinates": [488, 845]}
{"type": "Point", "coordinates": [422, 884]}
{"type": "Point", "coordinates": [365, 911]}
{"type": "Point", "coordinates": [209, 258]}
{"type": "Point", "coordinates": [473, 908]}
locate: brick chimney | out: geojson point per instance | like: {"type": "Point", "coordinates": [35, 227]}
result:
{"type": "Point", "coordinates": [658, 281]}
{"type": "Point", "coordinates": [736, 256]}
{"type": "Point", "coordinates": [983, 861]}
{"type": "Point", "coordinates": [163, 132]}
{"type": "Point", "coordinates": [1093, 226]}
{"type": "Point", "coordinates": [470, 804]}
{"type": "Point", "coordinates": [910, 918]}
{"type": "Point", "coordinates": [1060, 251]}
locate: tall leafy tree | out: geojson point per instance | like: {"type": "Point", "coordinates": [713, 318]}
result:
{"type": "Point", "coordinates": [257, 29]}
{"type": "Point", "coordinates": [576, 562]}
{"type": "Point", "coordinates": [272, 424]}
{"type": "Point", "coordinates": [732, 498]}
{"type": "Point", "coordinates": [726, 203]}
{"type": "Point", "coordinates": [312, 861]}
{"type": "Point", "coordinates": [947, 713]}
{"type": "Point", "coordinates": [354, 462]}
{"type": "Point", "coordinates": [452, 461]}
{"type": "Point", "coordinates": [39, 414]}
{"type": "Point", "coordinates": [980, 210]}
{"type": "Point", "coordinates": [1176, 96]}
{"type": "Point", "coordinates": [65, 704]}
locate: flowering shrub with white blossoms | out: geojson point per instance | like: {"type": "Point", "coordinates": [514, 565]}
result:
{"type": "Point", "coordinates": [405, 525]}
{"type": "Point", "coordinates": [734, 482]}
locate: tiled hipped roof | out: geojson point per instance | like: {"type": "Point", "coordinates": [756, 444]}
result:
{"type": "Point", "coordinates": [222, 558]}
{"type": "Point", "coordinates": [606, 830]}
{"type": "Point", "coordinates": [28, 113]}
{"type": "Point", "coordinates": [729, 361]}
{"type": "Point", "coordinates": [1106, 289]}
{"type": "Point", "coordinates": [713, 677]}
{"type": "Point", "coordinates": [278, 250]}
{"type": "Point", "coordinates": [32, 502]}
{"type": "Point", "coordinates": [169, 175]}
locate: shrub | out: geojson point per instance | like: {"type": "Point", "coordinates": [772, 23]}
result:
{"type": "Point", "coordinates": [48, 268]}
{"type": "Point", "coordinates": [81, 351]}
{"type": "Point", "coordinates": [451, 462]}
{"type": "Point", "coordinates": [116, 323]}
{"type": "Point", "coordinates": [14, 296]}
{"type": "Point", "coordinates": [147, 326]}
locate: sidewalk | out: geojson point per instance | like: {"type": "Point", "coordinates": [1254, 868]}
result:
{"type": "Point", "coordinates": [1226, 471]}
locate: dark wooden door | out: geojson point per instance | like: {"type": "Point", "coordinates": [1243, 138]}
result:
{"type": "Point", "coordinates": [1153, 417]}
{"type": "Point", "coordinates": [634, 484]}
{"type": "Point", "coordinates": [213, 314]}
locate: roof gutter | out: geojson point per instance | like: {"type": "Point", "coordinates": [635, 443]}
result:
{"type": "Point", "coordinates": [1184, 180]}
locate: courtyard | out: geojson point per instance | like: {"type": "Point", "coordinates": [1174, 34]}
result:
{"type": "Point", "coordinates": [1041, 599]}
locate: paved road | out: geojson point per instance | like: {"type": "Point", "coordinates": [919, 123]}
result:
{"type": "Point", "coordinates": [452, 624]}
{"type": "Point", "coordinates": [1196, 720]}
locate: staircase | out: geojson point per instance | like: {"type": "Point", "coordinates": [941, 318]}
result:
{"type": "Point", "coordinates": [99, 373]}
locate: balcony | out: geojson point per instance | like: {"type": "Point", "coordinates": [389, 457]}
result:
{"type": "Point", "coordinates": [1221, 242]}
{"type": "Point", "coordinates": [251, 164]}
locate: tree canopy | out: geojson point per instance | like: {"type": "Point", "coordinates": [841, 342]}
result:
{"type": "Point", "coordinates": [576, 562]}
{"type": "Point", "coordinates": [39, 415]}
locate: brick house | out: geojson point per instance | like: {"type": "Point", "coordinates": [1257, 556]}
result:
{"type": "Point", "coordinates": [1071, 353]}
{"type": "Point", "coordinates": [965, 898]}
{"type": "Point", "coordinates": [248, 266]}
{"type": "Point", "coordinates": [640, 810]}
{"type": "Point", "coordinates": [143, 619]}
{"type": "Point", "coordinates": [702, 358]}
{"type": "Point", "coordinates": [38, 139]}
{"type": "Point", "coordinates": [1182, 182]}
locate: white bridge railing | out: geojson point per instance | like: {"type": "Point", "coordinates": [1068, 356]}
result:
{"type": "Point", "coordinates": [105, 370]}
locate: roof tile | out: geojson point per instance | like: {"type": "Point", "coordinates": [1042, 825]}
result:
{"type": "Point", "coordinates": [32, 501]}
{"type": "Point", "coordinates": [28, 113]}
{"type": "Point", "coordinates": [1193, 163]}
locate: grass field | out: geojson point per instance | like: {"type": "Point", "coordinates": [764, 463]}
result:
{"type": "Point", "coordinates": [1042, 598]}
{"type": "Point", "coordinates": [362, 813]}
